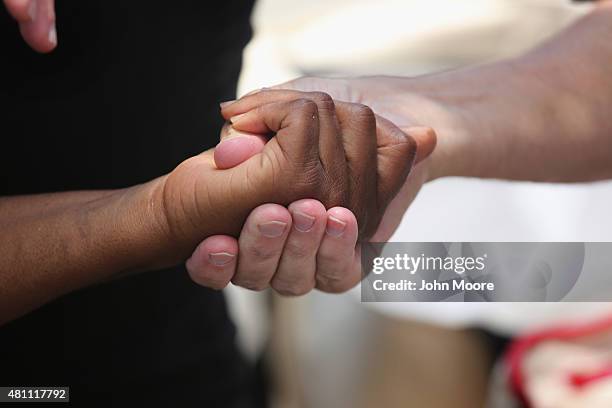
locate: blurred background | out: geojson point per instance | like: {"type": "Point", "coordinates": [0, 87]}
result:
{"type": "Point", "coordinates": [333, 351]}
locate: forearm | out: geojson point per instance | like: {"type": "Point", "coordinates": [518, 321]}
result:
{"type": "Point", "coordinates": [52, 244]}
{"type": "Point", "coordinates": [543, 116]}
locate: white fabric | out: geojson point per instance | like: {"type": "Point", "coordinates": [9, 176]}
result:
{"type": "Point", "coordinates": [347, 37]}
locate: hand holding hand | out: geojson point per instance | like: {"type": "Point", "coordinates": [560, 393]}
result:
{"type": "Point", "coordinates": [366, 158]}
{"type": "Point", "coordinates": [324, 256]}
{"type": "Point", "coordinates": [320, 150]}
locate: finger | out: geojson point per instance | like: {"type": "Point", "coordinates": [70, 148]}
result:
{"type": "Point", "coordinates": [261, 243]}
{"type": "Point", "coordinates": [336, 267]}
{"type": "Point", "coordinates": [229, 132]}
{"type": "Point", "coordinates": [237, 147]}
{"type": "Point", "coordinates": [232, 110]}
{"type": "Point", "coordinates": [358, 124]}
{"type": "Point", "coordinates": [355, 142]}
{"type": "Point", "coordinates": [296, 271]}
{"type": "Point", "coordinates": [331, 148]}
{"type": "Point", "coordinates": [426, 140]}
{"type": "Point", "coordinates": [232, 152]}
{"type": "Point", "coordinates": [21, 10]}
{"type": "Point", "coordinates": [213, 262]}
{"type": "Point", "coordinates": [295, 124]}
{"type": "Point", "coordinates": [39, 31]}
{"type": "Point", "coordinates": [396, 155]}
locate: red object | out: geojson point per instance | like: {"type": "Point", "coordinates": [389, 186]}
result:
{"type": "Point", "coordinates": [580, 380]}
{"type": "Point", "coordinates": [518, 349]}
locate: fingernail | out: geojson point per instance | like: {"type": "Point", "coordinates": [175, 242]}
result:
{"type": "Point", "coordinates": [335, 227]}
{"type": "Point", "coordinates": [226, 103]}
{"type": "Point", "coordinates": [53, 35]}
{"type": "Point", "coordinates": [272, 229]}
{"type": "Point", "coordinates": [236, 118]}
{"type": "Point", "coordinates": [303, 222]}
{"type": "Point", "coordinates": [32, 10]}
{"type": "Point", "coordinates": [221, 258]}
{"type": "Point", "coordinates": [232, 133]}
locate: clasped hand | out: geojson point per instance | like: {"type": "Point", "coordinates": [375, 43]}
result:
{"type": "Point", "coordinates": [316, 176]}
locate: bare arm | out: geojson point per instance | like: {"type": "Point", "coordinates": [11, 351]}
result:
{"type": "Point", "coordinates": [55, 243]}
{"type": "Point", "coordinates": [544, 116]}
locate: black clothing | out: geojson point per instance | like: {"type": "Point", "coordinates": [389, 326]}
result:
{"type": "Point", "coordinates": [132, 90]}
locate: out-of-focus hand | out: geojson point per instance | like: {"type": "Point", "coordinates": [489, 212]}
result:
{"type": "Point", "coordinates": [36, 19]}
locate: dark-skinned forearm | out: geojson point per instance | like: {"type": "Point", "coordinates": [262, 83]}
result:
{"type": "Point", "coordinates": [52, 244]}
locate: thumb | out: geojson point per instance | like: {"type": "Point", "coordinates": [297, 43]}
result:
{"type": "Point", "coordinates": [425, 138]}
{"type": "Point", "coordinates": [236, 147]}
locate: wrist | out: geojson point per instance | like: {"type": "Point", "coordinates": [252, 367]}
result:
{"type": "Point", "coordinates": [424, 101]}
{"type": "Point", "coordinates": [142, 222]}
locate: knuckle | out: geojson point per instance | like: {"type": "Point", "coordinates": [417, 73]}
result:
{"type": "Point", "coordinates": [321, 96]}
{"type": "Point", "coordinates": [292, 288]}
{"type": "Point", "coordinates": [411, 147]}
{"type": "Point", "coordinates": [297, 251]}
{"type": "Point", "coordinates": [324, 100]}
{"type": "Point", "coordinates": [305, 109]}
{"type": "Point", "coordinates": [252, 284]}
{"type": "Point", "coordinates": [261, 254]}
{"type": "Point", "coordinates": [332, 259]}
{"type": "Point", "coordinates": [405, 139]}
{"type": "Point", "coordinates": [401, 147]}
{"type": "Point", "coordinates": [405, 148]}
{"type": "Point", "coordinates": [364, 113]}
{"type": "Point", "coordinates": [332, 284]}
{"type": "Point", "coordinates": [400, 137]}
